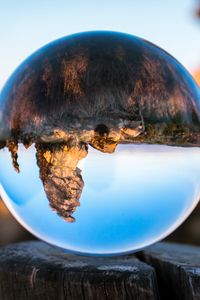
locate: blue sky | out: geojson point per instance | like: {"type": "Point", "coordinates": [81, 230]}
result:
{"type": "Point", "coordinates": [25, 26]}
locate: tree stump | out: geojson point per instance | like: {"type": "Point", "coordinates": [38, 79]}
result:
{"type": "Point", "coordinates": [38, 271]}
{"type": "Point", "coordinates": [178, 270]}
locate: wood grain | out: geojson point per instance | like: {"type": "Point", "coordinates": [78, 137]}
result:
{"type": "Point", "coordinates": [35, 271]}
{"type": "Point", "coordinates": [178, 270]}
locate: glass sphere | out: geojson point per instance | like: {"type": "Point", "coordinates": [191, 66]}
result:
{"type": "Point", "coordinates": [103, 129]}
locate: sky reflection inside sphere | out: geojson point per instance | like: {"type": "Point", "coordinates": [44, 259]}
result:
{"type": "Point", "coordinates": [131, 198]}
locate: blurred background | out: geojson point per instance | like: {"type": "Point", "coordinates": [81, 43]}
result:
{"type": "Point", "coordinates": [27, 25]}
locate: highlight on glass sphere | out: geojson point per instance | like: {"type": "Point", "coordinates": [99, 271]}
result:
{"type": "Point", "coordinates": [103, 129]}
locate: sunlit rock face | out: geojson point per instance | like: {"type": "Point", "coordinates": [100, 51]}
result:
{"type": "Point", "coordinates": [99, 89]}
{"type": "Point", "coordinates": [60, 176]}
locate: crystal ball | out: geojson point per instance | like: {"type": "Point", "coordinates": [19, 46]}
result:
{"type": "Point", "coordinates": [99, 139]}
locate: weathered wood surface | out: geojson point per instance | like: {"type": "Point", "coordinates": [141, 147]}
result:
{"type": "Point", "coordinates": [178, 270]}
{"type": "Point", "coordinates": [37, 271]}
